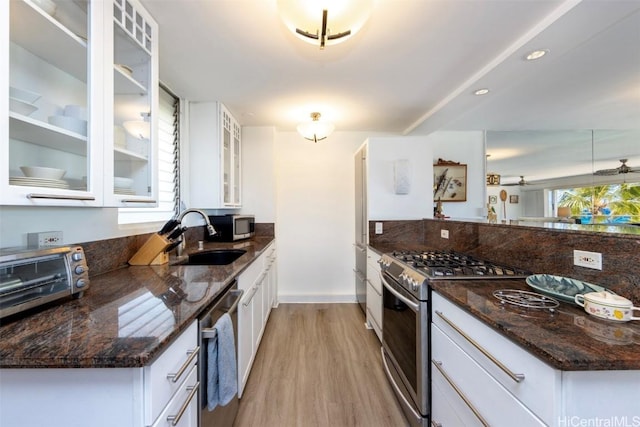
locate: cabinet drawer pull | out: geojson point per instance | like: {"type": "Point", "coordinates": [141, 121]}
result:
{"type": "Point", "coordinates": [438, 365]}
{"type": "Point", "coordinates": [250, 297]}
{"type": "Point", "coordinates": [192, 355]}
{"type": "Point", "coordinates": [137, 201]}
{"type": "Point", "coordinates": [516, 377]}
{"type": "Point", "coordinates": [59, 197]}
{"type": "Point", "coordinates": [175, 419]}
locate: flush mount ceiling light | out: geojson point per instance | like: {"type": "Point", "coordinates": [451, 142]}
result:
{"type": "Point", "coordinates": [482, 91]}
{"type": "Point", "coordinates": [536, 54]}
{"type": "Point", "coordinates": [324, 22]}
{"type": "Point", "coordinates": [315, 130]}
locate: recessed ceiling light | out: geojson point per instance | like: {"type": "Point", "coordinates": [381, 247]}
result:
{"type": "Point", "coordinates": [483, 91]}
{"type": "Point", "coordinates": [536, 54]}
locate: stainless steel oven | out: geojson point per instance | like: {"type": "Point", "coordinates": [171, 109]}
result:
{"type": "Point", "coordinates": [406, 321]}
{"type": "Point", "coordinates": [405, 348]}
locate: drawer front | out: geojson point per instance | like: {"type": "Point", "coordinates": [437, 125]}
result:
{"type": "Point", "coordinates": [539, 388]}
{"type": "Point", "coordinates": [158, 387]}
{"type": "Point", "coordinates": [447, 407]}
{"type": "Point", "coordinates": [182, 409]}
{"type": "Point", "coordinates": [374, 304]}
{"type": "Point", "coordinates": [492, 404]}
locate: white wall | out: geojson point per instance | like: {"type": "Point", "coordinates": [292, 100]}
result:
{"type": "Point", "coordinates": [383, 203]}
{"type": "Point", "coordinates": [464, 147]}
{"type": "Point", "coordinates": [258, 173]}
{"type": "Point", "coordinates": [513, 210]}
{"type": "Point", "coordinates": [77, 224]}
{"type": "Point", "coordinates": [315, 211]}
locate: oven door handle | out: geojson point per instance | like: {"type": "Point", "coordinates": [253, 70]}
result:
{"type": "Point", "coordinates": [414, 306]}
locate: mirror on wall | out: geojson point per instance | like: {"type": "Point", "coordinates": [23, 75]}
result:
{"type": "Point", "coordinates": [531, 164]}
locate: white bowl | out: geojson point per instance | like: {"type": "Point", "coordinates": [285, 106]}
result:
{"type": "Point", "coordinates": [23, 95]}
{"type": "Point", "coordinates": [21, 107]}
{"type": "Point", "coordinates": [122, 182]}
{"type": "Point", "coordinates": [76, 111]}
{"type": "Point", "coordinates": [70, 123]}
{"type": "Point", "coordinates": [42, 172]}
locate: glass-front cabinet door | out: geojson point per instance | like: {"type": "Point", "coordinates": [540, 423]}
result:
{"type": "Point", "coordinates": [50, 112]}
{"type": "Point", "coordinates": [130, 176]}
{"type": "Point", "coordinates": [236, 165]}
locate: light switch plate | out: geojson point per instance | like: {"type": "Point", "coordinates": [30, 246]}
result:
{"type": "Point", "coordinates": [444, 234]}
{"type": "Point", "coordinates": [378, 228]}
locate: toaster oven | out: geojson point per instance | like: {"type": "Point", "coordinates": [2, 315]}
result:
{"type": "Point", "coordinates": [32, 277]}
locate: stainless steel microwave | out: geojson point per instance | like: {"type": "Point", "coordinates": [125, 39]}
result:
{"type": "Point", "coordinates": [32, 277]}
{"type": "Point", "coordinates": [232, 227]}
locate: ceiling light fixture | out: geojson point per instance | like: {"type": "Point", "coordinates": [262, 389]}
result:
{"type": "Point", "coordinates": [326, 22]}
{"type": "Point", "coordinates": [315, 130]}
{"type": "Point", "coordinates": [483, 91]}
{"type": "Point", "coordinates": [536, 54]}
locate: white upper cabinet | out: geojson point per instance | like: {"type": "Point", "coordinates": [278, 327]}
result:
{"type": "Point", "coordinates": [215, 156]}
{"type": "Point", "coordinates": [58, 104]}
{"type": "Point", "coordinates": [132, 61]}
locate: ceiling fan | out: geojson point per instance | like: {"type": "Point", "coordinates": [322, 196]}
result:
{"type": "Point", "coordinates": [623, 168]}
{"type": "Point", "coordinates": [521, 182]}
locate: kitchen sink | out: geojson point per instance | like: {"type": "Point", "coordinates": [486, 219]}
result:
{"type": "Point", "coordinates": [215, 257]}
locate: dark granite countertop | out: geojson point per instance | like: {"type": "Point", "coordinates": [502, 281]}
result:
{"type": "Point", "coordinates": [125, 319]}
{"type": "Point", "coordinates": [569, 339]}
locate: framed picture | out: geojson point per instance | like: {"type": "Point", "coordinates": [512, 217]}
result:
{"type": "Point", "coordinates": [513, 198]}
{"type": "Point", "coordinates": [493, 200]}
{"type": "Point", "coordinates": [449, 182]}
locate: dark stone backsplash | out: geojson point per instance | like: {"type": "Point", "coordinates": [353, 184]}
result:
{"type": "Point", "coordinates": [108, 255]}
{"type": "Point", "coordinates": [536, 249]}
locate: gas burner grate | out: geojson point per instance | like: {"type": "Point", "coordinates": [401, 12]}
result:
{"type": "Point", "coordinates": [526, 299]}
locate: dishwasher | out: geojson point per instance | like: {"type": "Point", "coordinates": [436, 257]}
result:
{"type": "Point", "coordinates": [221, 416]}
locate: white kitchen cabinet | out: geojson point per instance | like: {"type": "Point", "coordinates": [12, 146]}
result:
{"type": "Point", "coordinates": [131, 120]}
{"type": "Point", "coordinates": [374, 293]}
{"type": "Point", "coordinates": [215, 156]}
{"type": "Point", "coordinates": [507, 385]}
{"type": "Point", "coordinates": [105, 397]}
{"type": "Point", "coordinates": [48, 61]}
{"type": "Point", "coordinates": [271, 290]}
{"type": "Point", "coordinates": [253, 312]}
{"type": "Point", "coordinates": [56, 100]}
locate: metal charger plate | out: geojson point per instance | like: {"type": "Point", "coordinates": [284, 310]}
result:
{"type": "Point", "coordinates": [562, 288]}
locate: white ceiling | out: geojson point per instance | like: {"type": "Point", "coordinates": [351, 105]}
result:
{"type": "Point", "coordinates": [414, 65]}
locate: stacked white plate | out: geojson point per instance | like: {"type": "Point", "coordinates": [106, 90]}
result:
{"type": "Point", "coordinates": [122, 185]}
{"type": "Point", "coordinates": [21, 101]}
{"type": "Point", "coordinates": [38, 182]}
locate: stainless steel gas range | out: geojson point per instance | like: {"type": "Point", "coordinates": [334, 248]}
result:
{"type": "Point", "coordinates": [406, 317]}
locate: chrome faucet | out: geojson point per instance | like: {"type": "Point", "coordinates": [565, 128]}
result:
{"type": "Point", "coordinates": [212, 231]}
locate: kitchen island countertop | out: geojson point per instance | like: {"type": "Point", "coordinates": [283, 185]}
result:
{"type": "Point", "coordinates": [568, 339]}
{"type": "Point", "coordinates": [125, 319]}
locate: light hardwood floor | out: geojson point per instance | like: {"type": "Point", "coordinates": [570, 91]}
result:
{"type": "Point", "coordinates": [318, 365]}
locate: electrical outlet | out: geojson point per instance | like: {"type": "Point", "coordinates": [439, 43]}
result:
{"type": "Point", "coordinates": [444, 234]}
{"type": "Point", "coordinates": [378, 228]}
{"type": "Point", "coordinates": [588, 259]}
{"type": "Point", "coordinates": [44, 239]}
